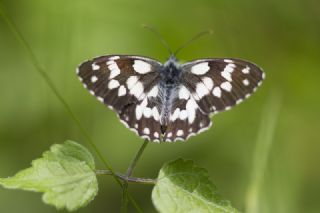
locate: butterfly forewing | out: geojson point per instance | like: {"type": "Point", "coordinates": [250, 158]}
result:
{"type": "Point", "coordinates": [128, 85]}
{"type": "Point", "coordinates": [219, 84]}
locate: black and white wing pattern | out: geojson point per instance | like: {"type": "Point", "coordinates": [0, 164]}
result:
{"type": "Point", "coordinates": [168, 102]}
{"type": "Point", "coordinates": [209, 86]}
{"type": "Point", "coordinates": [128, 85]}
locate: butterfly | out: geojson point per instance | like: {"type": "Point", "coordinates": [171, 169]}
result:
{"type": "Point", "coordinates": [170, 101]}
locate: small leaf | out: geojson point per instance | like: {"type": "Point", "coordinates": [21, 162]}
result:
{"type": "Point", "coordinates": [184, 187]}
{"type": "Point", "coordinates": [65, 175]}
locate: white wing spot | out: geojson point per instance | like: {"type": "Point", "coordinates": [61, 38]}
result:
{"type": "Point", "coordinates": [246, 70]}
{"type": "Point", "coordinates": [239, 101]}
{"type": "Point", "coordinates": [95, 66]}
{"type": "Point", "coordinates": [137, 89]}
{"type": "Point", "coordinates": [122, 91]}
{"type": "Point", "coordinates": [141, 67]}
{"type": "Point", "coordinates": [201, 68]}
{"type": "Point", "coordinates": [179, 132]}
{"type": "Point", "coordinates": [113, 84]}
{"type": "Point", "coordinates": [183, 114]}
{"type": "Point", "coordinates": [226, 73]}
{"type": "Point", "coordinates": [124, 123]}
{"type": "Point", "coordinates": [245, 82]}
{"type": "Point", "coordinates": [113, 58]}
{"type": "Point", "coordinates": [156, 135]}
{"type": "Point", "coordinates": [155, 113]}
{"type": "Point", "coordinates": [208, 82]}
{"type": "Point", "coordinates": [226, 86]}
{"type": "Point", "coordinates": [136, 126]}
{"type": "Point", "coordinates": [226, 76]}
{"type": "Point", "coordinates": [147, 112]}
{"type": "Point", "coordinates": [201, 90]}
{"type": "Point", "coordinates": [191, 107]}
{"type": "Point", "coordinates": [140, 109]}
{"type": "Point", "coordinates": [178, 139]}
{"type": "Point", "coordinates": [132, 80]}
{"type": "Point", "coordinates": [228, 60]}
{"type": "Point", "coordinates": [91, 92]}
{"type": "Point", "coordinates": [100, 99]}
{"type": "Point", "coordinates": [184, 93]}
{"type": "Point", "coordinates": [169, 134]}
{"type": "Point", "coordinates": [94, 79]}
{"type": "Point", "coordinates": [216, 92]}
{"type": "Point", "coordinates": [175, 114]}
{"type": "Point", "coordinates": [153, 92]}
{"type": "Point", "coordinates": [230, 68]}
{"type": "Point", "coordinates": [145, 137]}
{"type": "Point", "coordinates": [146, 131]}
{"type": "Point", "coordinates": [114, 70]}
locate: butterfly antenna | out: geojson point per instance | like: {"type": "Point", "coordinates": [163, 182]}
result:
{"type": "Point", "coordinates": [153, 30]}
{"type": "Point", "coordinates": [199, 35]}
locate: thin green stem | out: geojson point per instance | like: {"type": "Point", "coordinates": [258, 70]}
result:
{"type": "Point", "coordinates": [51, 85]}
{"type": "Point", "coordinates": [128, 179]}
{"type": "Point", "coordinates": [44, 75]}
{"type": "Point", "coordinates": [124, 204]}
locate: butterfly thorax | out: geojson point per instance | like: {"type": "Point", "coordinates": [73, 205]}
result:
{"type": "Point", "coordinates": [170, 72]}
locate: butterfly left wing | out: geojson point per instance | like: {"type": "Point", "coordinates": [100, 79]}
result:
{"type": "Point", "coordinates": [128, 85]}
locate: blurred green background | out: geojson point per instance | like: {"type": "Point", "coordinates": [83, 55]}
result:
{"type": "Point", "coordinates": [281, 36]}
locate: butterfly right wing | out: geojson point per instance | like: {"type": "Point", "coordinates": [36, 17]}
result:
{"type": "Point", "coordinates": [209, 86]}
{"type": "Point", "coordinates": [219, 84]}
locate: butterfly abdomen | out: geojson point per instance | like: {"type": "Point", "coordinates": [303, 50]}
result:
{"type": "Point", "coordinates": [167, 94]}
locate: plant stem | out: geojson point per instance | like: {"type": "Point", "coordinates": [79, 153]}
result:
{"type": "Point", "coordinates": [47, 79]}
{"type": "Point", "coordinates": [128, 179]}
{"type": "Point", "coordinates": [49, 82]}
{"type": "Point", "coordinates": [124, 204]}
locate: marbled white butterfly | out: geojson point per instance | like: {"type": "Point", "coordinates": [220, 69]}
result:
{"type": "Point", "coordinates": [170, 101]}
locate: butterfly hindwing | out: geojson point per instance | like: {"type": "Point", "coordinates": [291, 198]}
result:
{"type": "Point", "coordinates": [127, 84]}
{"type": "Point", "coordinates": [186, 118]}
{"type": "Point", "coordinates": [144, 117]}
{"type": "Point", "coordinates": [219, 84]}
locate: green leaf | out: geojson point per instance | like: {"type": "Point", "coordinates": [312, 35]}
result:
{"type": "Point", "coordinates": [184, 187]}
{"type": "Point", "coordinates": [65, 175]}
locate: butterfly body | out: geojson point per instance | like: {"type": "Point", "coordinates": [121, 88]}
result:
{"type": "Point", "coordinates": [170, 101]}
{"type": "Point", "coordinates": [170, 74]}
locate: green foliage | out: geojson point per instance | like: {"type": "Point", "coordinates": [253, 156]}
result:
{"type": "Point", "coordinates": [65, 175]}
{"type": "Point", "coordinates": [184, 187]}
